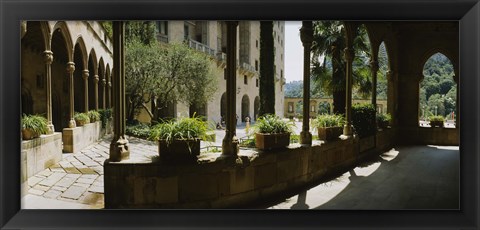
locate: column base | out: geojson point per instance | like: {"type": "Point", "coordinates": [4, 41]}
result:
{"type": "Point", "coordinates": [119, 150]}
{"type": "Point", "coordinates": [347, 130]}
{"type": "Point", "coordinates": [72, 124]}
{"type": "Point", "coordinates": [305, 138]}
{"type": "Point", "coordinates": [230, 146]}
{"type": "Point", "coordinates": [51, 128]}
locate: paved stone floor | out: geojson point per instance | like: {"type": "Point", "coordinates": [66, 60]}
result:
{"type": "Point", "coordinates": [414, 177]}
{"type": "Point", "coordinates": [410, 177]}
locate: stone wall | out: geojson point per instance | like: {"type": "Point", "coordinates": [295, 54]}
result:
{"type": "Point", "coordinates": [217, 182]}
{"type": "Point", "coordinates": [427, 135]}
{"type": "Point", "coordinates": [75, 139]}
{"type": "Point", "coordinates": [40, 153]}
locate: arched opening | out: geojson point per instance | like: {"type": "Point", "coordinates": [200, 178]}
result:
{"type": "Point", "coordinates": [78, 82]}
{"type": "Point", "coordinates": [362, 74]}
{"type": "Point", "coordinates": [102, 96]}
{"type": "Point", "coordinates": [223, 106]}
{"type": "Point", "coordinates": [60, 82]}
{"type": "Point", "coordinates": [438, 91]}
{"type": "Point", "coordinates": [91, 80]}
{"type": "Point", "coordinates": [256, 107]}
{"type": "Point", "coordinates": [33, 75]}
{"type": "Point", "coordinates": [245, 107]}
{"type": "Point", "coordinates": [198, 110]}
{"type": "Point", "coordinates": [323, 108]}
{"type": "Point", "coordinates": [382, 81]}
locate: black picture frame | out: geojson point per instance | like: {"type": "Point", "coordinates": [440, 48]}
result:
{"type": "Point", "coordinates": [467, 12]}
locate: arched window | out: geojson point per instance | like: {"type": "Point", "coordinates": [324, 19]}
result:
{"type": "Point", "coordinates": [438, 91]}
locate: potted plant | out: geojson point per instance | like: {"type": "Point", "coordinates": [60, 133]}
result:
{"type": "Point", "coordinates": [383, 120]}
{"type": "Point", "coordinates": [81, 119]}
{"type": "Point", "coordinates": [271, 132]}
{"type": "Point", "coordinates": [329, 127]}
{"type": "Point", "coordinates": [93, 115]}
{"type": "Point", "coordinates": [33, 126]}
{"type": "Point", "coordinates": [179, 140]}
{"type": "Point", "coordinates": [436, 121]}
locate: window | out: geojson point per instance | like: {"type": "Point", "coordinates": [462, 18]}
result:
{"type": "Point", "coordinates": [186, 34]}
{"type": "Point", "coordinates": [245, 80]}
{"type": "Point", "coordinates": [281, 73]}
{"type": "Point", "coordinates": [290, 107]}
{"type": "Point", "coordinates": [312, 108]}
{"type": "Point", "coordinates": [162, 27]}
{"type": "Point", "coordinates": [256, 82]}
{"type": "Point", "coordinates": [225, 73]}
{"type": "Point", "coordinates": [256, 65]}
{"type": "Point", "coordinates": [256, 43]}
{"type": "Point", "coordinates": [281, 57]}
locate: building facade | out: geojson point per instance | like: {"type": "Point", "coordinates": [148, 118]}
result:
{"type": "Point", "coordinates": [210, 37]}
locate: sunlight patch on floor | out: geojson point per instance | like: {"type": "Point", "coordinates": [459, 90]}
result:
{"type": "Point", "coordinates": [389, 155]}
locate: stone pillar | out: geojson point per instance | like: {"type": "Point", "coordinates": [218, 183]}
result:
{"type": "Point", "coordinates": [85, 83]}
{"type": "Point", "coordinates": [230, 142]}
{"type": "Point", "coordinates": [457, 103]}
{"type": "Point", "coordinates": [306, 35]}
{"type": "Point", "coordinates": [48, 72]}
{"type": "Point", "coordinates": [119, 146]}
{"type": "Point", "coordinates": [104, 85]}
{"type": "Point", "coordinates": [349, 54]}
{"type": "Point", "coordinates": [70, 70]}
{"type": "Point", "coordinates": [374, 69]}
{"type": "Point", "coordinates": [95, 87]}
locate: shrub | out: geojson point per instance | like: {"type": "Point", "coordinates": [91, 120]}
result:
{"type": "Point", "coordinates": [105, 114]}
{"type": "Point", "coordinates": [271, 123]}
{"type": "Point", "coordinates": [35, 123]}
{"type": "Point", "coordinates": [363, 119]}
{"type": "Point", "coordinates": [436, 118]}
{"type": "Point", "coordinates": [140, 130]}
{"type": "Point", "coordinates": [93, 115]}
{"type": "Point", "coordinates": [326, 120]}
{"type": "Point", "coordinates": [81, 118]}
{"type": "Point", "coordinates": [383, 120]}
{"type": "Point", "coordinates": [181, 129]}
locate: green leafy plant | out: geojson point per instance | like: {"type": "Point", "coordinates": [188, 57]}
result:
{"type": "Point", "coordinates": [273, 124]}
{"type": "Point", "coordinates": [139, 130]}
{"type": "Point", "coordinates": [81, 118]}
{"type": "Point", "coordinates": [35, 123]}
{"type": "Point", "coordinates": [181, 129]}
{"type": "Point", "coordinates": [93, 115]}
{"type": "Point", "coordinates": [383, 120]}
{"type": "Point", "coordinates": [105, 114]}
{"type": "Point", "coordinates": [436, 118]}
{"type": "Point", "coordinates": [326, 120]}
{"type": "Point", "coordinates": [364, 119]}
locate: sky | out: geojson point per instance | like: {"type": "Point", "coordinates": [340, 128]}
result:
{"type": "Point", "coordinates": [293, 51]}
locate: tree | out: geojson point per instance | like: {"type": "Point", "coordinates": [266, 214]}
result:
{"type": "Point", "coordinates": [328, 66]}
{"type": "Point", "coordinates": [267, 71]}
{"type": "Point", "coordinates": [163, 74]}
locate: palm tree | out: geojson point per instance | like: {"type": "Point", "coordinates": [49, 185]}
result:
{"type": "Point", "coordinates": [328, 65]}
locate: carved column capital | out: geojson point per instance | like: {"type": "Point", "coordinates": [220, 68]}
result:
{"type": "Point", "coordinates": [349, 54]}
{"type": "Point", "coordinates": [70, 67]}
{"type": "Point", "coordinates": [85, 74]}
{"type": "Point", "coordinates": [48, 58]}
{"type": "Point", "coordinates": [306, 33]}
{"type": "Point", "coordinates": [109, 85]}
{"type": "Point", "coordinates": [104, 82]}
{"type": "Point", "coordinates": [96, 79]}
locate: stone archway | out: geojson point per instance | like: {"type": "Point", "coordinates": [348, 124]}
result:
{"type": "Point", "coordinates": [78, 81]}
{"type": "Point", "coordinates": [60, 81]}
{"type": "Point", "coordinates": [245, 107]}
{"type": "Point", "coordinates": [92, 64]}
{"type": "Point", "coordinates": [256, 107]}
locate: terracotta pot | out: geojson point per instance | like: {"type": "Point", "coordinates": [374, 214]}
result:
{"type": "Point", "coordinates": [80, 122]}
{"type": "Point", "coordinates": [268, 141]}
{"type": "Point", "coordinates": [179, 150]}
{"type": "Point", "coordinates": [436, 124]}
{"type": "Point", "coordinates": [28, 134]}
{"type": "Point", "coordinates": [329, 133]}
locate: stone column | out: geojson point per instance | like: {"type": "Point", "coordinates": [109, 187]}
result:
{"type": "Point", "coordinates": [95, 87]}
{"type": "Point", "coordinates": [119, 146]}
{"type": "Point", "coordinates": [306, 35]}
{"type": "Point", "coordinates": [349, 54]}
{"type": "Point", "coordinates": [70, 70]}
{"type": "Point", "coordinates": [230, 142]}
{"type": "Point", "coordinates": [85, 83]}
{"type": "Point", "coordinates": [48, 72]}
{"type": "Point", "coordinates": [104, 85]}
{"type": "Point", "coordinates": [374, 69]}
{"type": "Point", "coordinates": [457, 103]}
{"type": "Point", "coordinates": [109, 93]}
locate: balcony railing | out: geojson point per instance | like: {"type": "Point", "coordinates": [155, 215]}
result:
{"type": "Point", "coordinates": [248, 67]}
{"type": "Point", "coordinates": [201, 47]}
